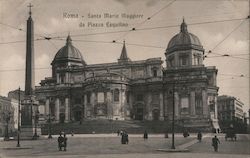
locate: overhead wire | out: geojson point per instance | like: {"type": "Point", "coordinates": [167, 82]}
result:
{"type": "Point", "coordinates": [147, 19]}
{"type": "Point", "coordinates": [148, 28]}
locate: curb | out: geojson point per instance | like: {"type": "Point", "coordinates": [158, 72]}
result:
{"type": "Point", "coordinates": [173, 150]}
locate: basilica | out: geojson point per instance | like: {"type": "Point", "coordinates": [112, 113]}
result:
{"type": "Point", "coordinates": [133, 90]}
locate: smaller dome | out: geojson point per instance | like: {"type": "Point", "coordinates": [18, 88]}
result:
{"type": "Point", "coordinates": [184, 40]}
{"type": "Point", "coordinates": [69, 53]}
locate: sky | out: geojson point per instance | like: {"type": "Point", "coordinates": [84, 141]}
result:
{"type": "Point", "coordinates": [214, 22]}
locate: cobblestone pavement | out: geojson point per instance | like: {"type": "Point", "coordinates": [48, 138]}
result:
{"type": "Point", "coordinates": [101, 146]}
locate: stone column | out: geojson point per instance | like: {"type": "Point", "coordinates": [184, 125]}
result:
{"type": "Point", "coordinates": [192, 103]}
{"type": "Point", "coordinates": [122, 105]}
{"type": "Point", "coordinates": [57, 109]}
{"type": "Point", "coordinates": [149, 107]}
{"type": "Point", "coordinates": [58, 79]}
{"type": "Point", "coordinates": [215, 108]}
{"type": "Point", "coordinates": [161, 106]}
{"type": "Point", "coordinates": [109, 105]}
{"type": "Point", "coordinates": [47, 108]}
{"type": "Point", "coordinates": [85, 106]}
{"type": "Point", "coordinates": [204, 103]}
{"type": "Point", "coordinates": [67, 110]}
{"type": "Point", "coordinates": [176, 105]}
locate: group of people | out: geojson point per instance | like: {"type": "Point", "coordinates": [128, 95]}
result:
{"type": "Point", "coordinates": [62, 141]}
{"type": "Point", "coordinates": [124, 137]}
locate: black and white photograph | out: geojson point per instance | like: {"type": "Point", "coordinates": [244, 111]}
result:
{"type": "Point", "coordinates": [124, 78]}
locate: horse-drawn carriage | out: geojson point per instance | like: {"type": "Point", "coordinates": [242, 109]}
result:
{"type": "Point", "coordinates": [230, 133]}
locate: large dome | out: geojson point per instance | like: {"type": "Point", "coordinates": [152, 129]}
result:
{"type": "Point", "coordinates": [69, 53]}
{"type": "Point", "coordinates": [184, 41]}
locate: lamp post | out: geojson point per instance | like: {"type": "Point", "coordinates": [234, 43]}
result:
{"type": "Point", "coordinates": [18, 120]}
{"type": "Point", "coordinates": [35, 136]}
{"type": "Point", "coordinates": [173, 125]}
{"type": "Point", "coordinates": [50, 136]}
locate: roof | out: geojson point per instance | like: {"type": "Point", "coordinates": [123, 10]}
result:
{"type": "Point", "coordinates": [184, 41]}
{"type": "Point", "coordinates": [69, 53]}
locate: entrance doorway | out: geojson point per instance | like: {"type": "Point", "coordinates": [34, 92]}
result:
{"type": "Point", "coordinates": [62, 117]}
{"type": "Point", "coordinates": [156, 114]}
{"type": "Point", "coordinates": [77, 115]}
{"type": "Point", "coordinates": [139, 112]}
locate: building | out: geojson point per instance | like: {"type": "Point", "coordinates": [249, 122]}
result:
{"type": "Point", "coordinates": [132, 90]}
{"type": "Point", "coordinates": [6, 116]}
{"type": "Point", "coordinates": [230, 108]}
{"type": "Point", "coordinates": [230, 111]}
{"type": "Point", "coordinates": [188, 84]}
{"type": "Point", "coordinates": [14, 98]}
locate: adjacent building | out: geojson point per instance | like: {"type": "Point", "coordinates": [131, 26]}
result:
{"type": "Point", "coordinates": [133, 90]}
{"type": "Point", "coordinates": [230, 108]}
{"type": "Point", "coordinates": [230, 112]}
{"type": "Point", "coordinates": [6, 116]}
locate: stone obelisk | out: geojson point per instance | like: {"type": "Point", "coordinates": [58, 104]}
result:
{"type": "Point", "coordinates": [29, 104]}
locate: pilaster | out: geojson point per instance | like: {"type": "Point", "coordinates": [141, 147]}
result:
{"type": "Point", "coordinates": [57, 109]}
{"type": "Point", "coordinates": [192, 103]}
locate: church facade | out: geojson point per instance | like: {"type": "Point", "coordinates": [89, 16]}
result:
{"type": "Point", "coordinates": [132, 90]}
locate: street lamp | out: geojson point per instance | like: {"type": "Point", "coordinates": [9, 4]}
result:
{"type": "Point", "coordinates": [7, 119]}
{"type": "Point", "coordinates": [35, 136]}
{"type": "Point", "coordinates": [18, 120]}
{"type": "Point", "coordinates": [173, 125]}
{"type": "Point", "coordinates": [50, 136]}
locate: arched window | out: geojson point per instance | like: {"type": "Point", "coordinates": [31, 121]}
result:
{"type": "Point", "coordinates": [62, 78]}
{"type": "Point", "coordinates": [116, 95]}
{"type": "Point", "coordinates": [154, 71]}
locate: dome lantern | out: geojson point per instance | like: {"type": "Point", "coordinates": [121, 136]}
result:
{"type": "Point", "coordinates": [184, 26]}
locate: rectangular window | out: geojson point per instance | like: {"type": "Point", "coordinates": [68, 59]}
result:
{"type": "Point", "coordinates": [155, 73]}
{"type": "Point", "coordinates": [198, 103]}
{"type": "Point", "coordinates": [184, 105]}
{"type": "Point", "coordinates": [183, 60]}
{"type": "Point", "coordinates": [100, 97]}
{"type": "Point", "coordinates": [88, 97]}
{"type": "Point", "coordinates": [116, 95]}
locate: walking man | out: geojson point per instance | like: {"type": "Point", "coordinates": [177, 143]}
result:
{"type": "Point", "coordinates": [145, 136]}
{"type": "Point", "coordinates": [215, 142]}
{"type": "Point", "coordinates": [65, 141]}
{"type": "Point", "coordinates": [199, 136]}
{"type": "Point", "coordinates": [60, 141]}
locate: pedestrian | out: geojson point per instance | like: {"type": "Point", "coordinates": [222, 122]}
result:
{"type": "Point", "coordinates": [65, 141]}
{"type": "Point", "coordinates": [215, 142]}
{"type": "Point", "coordinates": [60, 141]}
{"type": "Point", "coordinates": [126, 137]}
{"type": "Point", "coordinates": [123, 138]}
{"type": "Point", "coordinates": [185, 134]}
{"type": "Point", "coordinates": [118, 132]}
{"type": "Point", "coordinates": [145, 135]}
{"type": "Point", "coordinates": [199, 136]}
{"type": "Point", "coordinates": [166, 134]}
